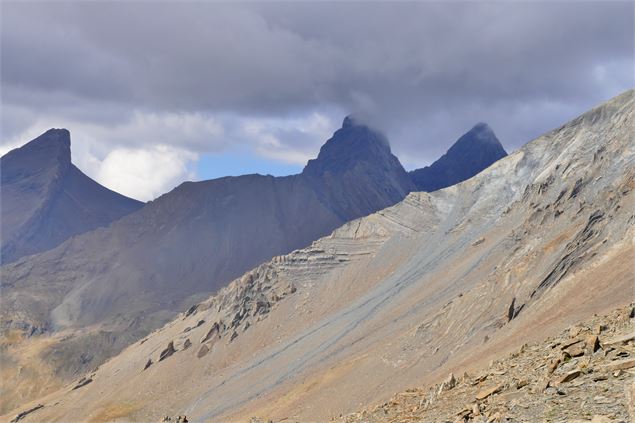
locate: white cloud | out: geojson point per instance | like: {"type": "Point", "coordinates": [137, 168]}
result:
{"type": "Point", "coordinates": [143, 157]}
{"type": "Point", "coordinates": [145, 173]}
{"type": "Point", "coordinates": [293, 140]}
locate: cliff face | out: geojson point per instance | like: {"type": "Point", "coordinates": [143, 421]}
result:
{"type": "Point", "coordinates": [46, 199]}
{"type": "Point", "coordinates": [442, 281]}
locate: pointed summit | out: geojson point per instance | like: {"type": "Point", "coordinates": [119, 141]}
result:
{"type": "Point", "coordinates": [46, 199]}
{"type": "Point", "coordinates": [476, 150]}
{"type": "Point", "coordinates": [51, 151]}
{"type": "Point", "coordinates": [61, 135]}
{"type": "Point", "coordinates": [350, 145]}
{"type": "Point", "coordinates": [349, 121]}
{"type": "Point", "coordinates": [357, 160]}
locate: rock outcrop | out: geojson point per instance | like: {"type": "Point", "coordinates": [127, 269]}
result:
{"type": "Point", "coordinates": [167, 352]}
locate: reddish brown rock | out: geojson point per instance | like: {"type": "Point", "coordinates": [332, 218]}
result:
{"type": "Point", "coordinates": [568, 377]}
{"type": "Point", "coordinates": [488, 392]}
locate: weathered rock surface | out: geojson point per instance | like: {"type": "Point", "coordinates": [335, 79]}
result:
{"type": "Point", "coordinates": [25, 413]}
{"type": "Point", "coordinates": [83, 382]}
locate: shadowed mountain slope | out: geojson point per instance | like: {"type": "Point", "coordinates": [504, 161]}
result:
{"type": "Point", "coordinates": [442, 281]}
{"type": "Point", "coordinates": [46, 199]}
{"type": "Point", "coordinates": [474, 151]}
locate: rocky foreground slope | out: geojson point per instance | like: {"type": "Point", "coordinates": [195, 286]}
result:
{"type": "Point", "coordinates": [441, 282]}
{"type": "Point", "coordinates": [585, 373]}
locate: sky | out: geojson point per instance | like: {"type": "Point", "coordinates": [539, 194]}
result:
{"type": "Point", "coordinates": [156, 93]}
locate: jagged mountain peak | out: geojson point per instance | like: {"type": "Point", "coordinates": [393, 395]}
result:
{"type": "Point", "coordinates": [483, 132]}
{"type": "Point", "coordinates": [54, 134]}
{"type": "Point", "coordinates": [355, 171]}
{"type": "Point", "coordinates": [472, 152]}
{"type": "Point", "coordinates": [46, 199]}
{"type": "Point", "coordinates": [52, 148]}
{"type": "Point", "coordinates": [348, 121]}
{"type": "Point", "coordinates": [54, 140]}
{"type": "Point", "coordinates": [481, 136]}
{"type": "Point", "coordinates": [354, 142]}
{"type": "Point", "coordinates": [351, 121]}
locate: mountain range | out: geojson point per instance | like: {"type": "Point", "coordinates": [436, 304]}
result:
{"type": "Point", "coordinates": [440, 282]}
{"type": "Point", "coordinates": [113, 284]}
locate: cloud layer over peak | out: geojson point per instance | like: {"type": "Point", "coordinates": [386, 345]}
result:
{"type": "Point", "coordinates": [277, 78]}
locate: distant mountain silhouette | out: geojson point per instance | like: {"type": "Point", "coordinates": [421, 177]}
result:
{"type": "Point", "coordinates": [46, 199]}
{"type": "Point", "coordinates": [470, 154]}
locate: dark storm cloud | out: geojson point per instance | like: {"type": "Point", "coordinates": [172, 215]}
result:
{"type": "Point", "coordinates": [423, 72]}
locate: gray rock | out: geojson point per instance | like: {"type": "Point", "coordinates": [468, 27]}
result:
{"type": "Point", "coordinates": [167, 352]}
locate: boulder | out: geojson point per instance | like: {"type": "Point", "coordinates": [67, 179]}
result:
{"type": "Point", "coordinates": [621, 339]}
{"type": "Point", "coordinates": [202, 351]}
{"type": "Point", "coordinates": [488, 392]}
{"type": "Point", "coordinates": [82, 382]}
{"type": "Point", "coordinates": [213, 333]}
{"type": "Point", "coordinates": [167, 352]}
{"type": "Point", "coordinates": [148, 364]}
{"type": "Point", "coordinates": [576, 350]}
{"type": "Point", "coordinates": [448, 384]}
{"type": "Point", "coordinates": [620, 365]}
{"type": "Point", "coordinates": [568, 377]}
{"type": "Point", "coordinates": [593, 343]}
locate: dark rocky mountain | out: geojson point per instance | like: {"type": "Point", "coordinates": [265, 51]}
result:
{"type": "Point", "coordinates": [355, 172]}
{"type": "Point", "coordinates": [474, 151]}
{"type": "Point", "coordinates": [46, 199]}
